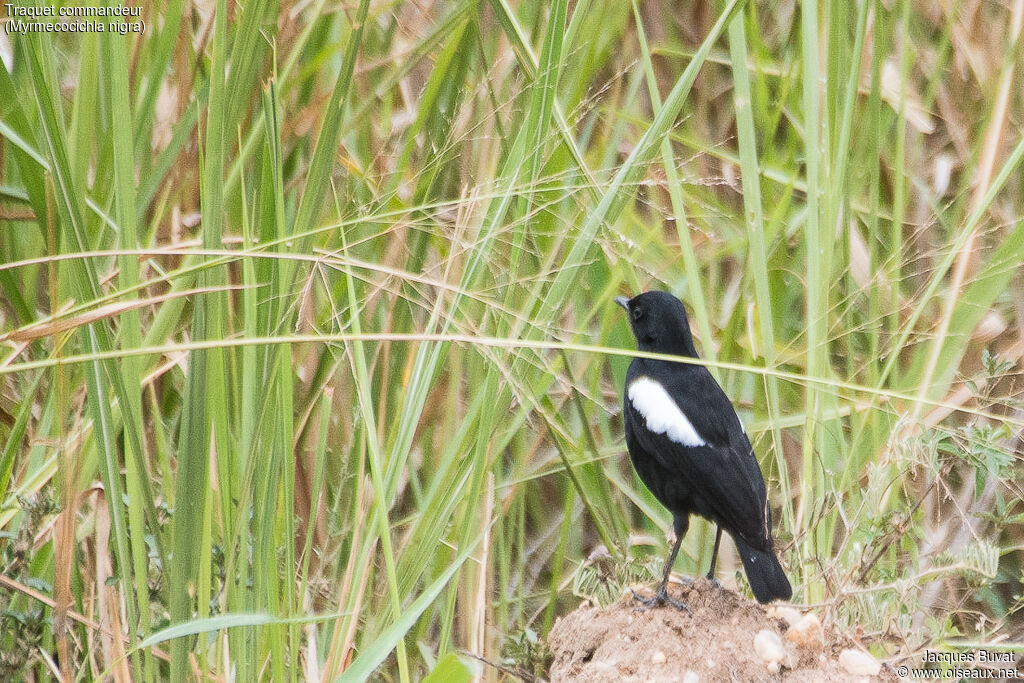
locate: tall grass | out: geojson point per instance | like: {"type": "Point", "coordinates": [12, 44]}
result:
{"type": "Point", "coordinates": [310, 365]}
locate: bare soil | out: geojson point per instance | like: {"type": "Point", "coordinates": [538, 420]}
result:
{"type": "Point", "coordinates": [715, 643]}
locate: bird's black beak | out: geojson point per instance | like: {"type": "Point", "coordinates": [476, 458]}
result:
{"type": "Point", "coordinates": [622, 301]}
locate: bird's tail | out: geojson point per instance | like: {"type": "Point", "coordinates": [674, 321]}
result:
{"type": "Point", "coordinates": [767, 580]}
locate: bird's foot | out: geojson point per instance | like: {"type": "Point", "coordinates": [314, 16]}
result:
{"type": "Point", "coordinates": [661, 597]}
{"type": "Point", "coordinates": [714, 582]}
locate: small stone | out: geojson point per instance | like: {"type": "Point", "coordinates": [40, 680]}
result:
{"type": "Point", "coordinates": [691, 676]}
{"type": "Point", "coordinates": [659, 658]}
{"type": "Point", "coordinates": [773, 668]}
{"type": "Point", "coordinates": [768, 647]}
{"type": "Point", "coordinates": [807, 632]}
{"type": "Point", "coordinates": [788, 614]}
{"type": "Point", "coordinates": [858, 663]}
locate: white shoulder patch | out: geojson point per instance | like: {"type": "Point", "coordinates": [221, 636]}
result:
{"type": "Point", "coordinates": [662, 414]}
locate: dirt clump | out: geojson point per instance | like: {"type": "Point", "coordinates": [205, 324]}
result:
{"type": "Point", "coordinates": [715, 643]}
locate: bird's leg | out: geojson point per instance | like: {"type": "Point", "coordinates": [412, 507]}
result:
{"type": "Point", "coordinates": [714, 557]}
{"type": "Point", "coordinates": [662, 597]}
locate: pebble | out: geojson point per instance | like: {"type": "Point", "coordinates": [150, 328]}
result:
{"type": "Point", "coordinates": [659, 658]}
{"type": "Point", "coordinates": [858, 663]}
{"type": "Point", "coordinates": [788, 614]}
{"type": "Point", "coordinates": [807, 632]}
{"type": "Point", "coordinates": [768, 647]}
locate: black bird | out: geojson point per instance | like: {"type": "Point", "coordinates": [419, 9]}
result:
{"type": "Point", "coordinates": [689, 448]}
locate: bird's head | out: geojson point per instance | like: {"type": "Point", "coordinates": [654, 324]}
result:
{"type": "Point", "coordinates": [659, 323]}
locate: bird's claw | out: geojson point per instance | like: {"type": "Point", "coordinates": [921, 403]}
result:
{"type": "Point", "coordinates": [714, 582]}
{"type": "Point", "coordinates": [661, 597]}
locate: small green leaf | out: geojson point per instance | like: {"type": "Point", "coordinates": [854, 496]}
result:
{"type": "Point", "coordinates": [450, 669]}
{"type": "Point", "coordinates": [197, 626]}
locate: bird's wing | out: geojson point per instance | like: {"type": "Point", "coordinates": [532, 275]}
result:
{"type": "Point", "coordinates": [692, 430]}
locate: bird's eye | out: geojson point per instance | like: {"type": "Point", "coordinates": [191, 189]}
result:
{"type": "Point", "coordinates": [637, 313]}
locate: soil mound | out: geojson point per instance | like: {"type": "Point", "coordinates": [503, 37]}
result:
{"type": "Point", "coordinates": [715, 643]}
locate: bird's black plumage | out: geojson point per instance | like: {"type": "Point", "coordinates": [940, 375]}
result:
{"type": "Point", "coordinates": [689, 448]}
